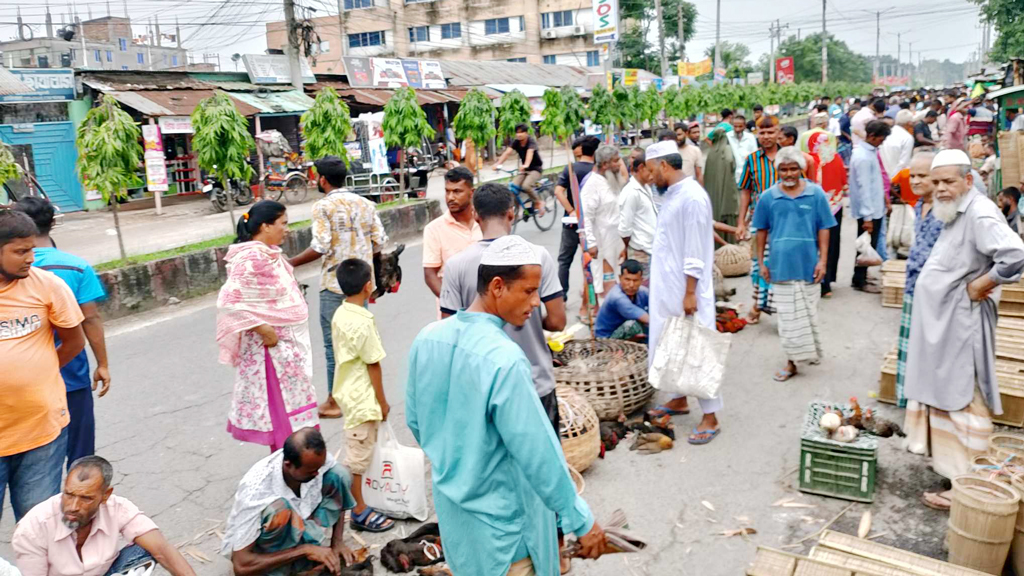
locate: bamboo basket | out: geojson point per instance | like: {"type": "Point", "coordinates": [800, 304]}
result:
{"type": "Point", "coordinates": [1017, 545]}
{"type": "Point", "coordinates": [733, 260]}
{"type": "Point", "coordinates": [610, 374]}
{"type": "Point", "coordinates": [771, 562]}
{"type": "Point", "coordinates": [903, 559]}
{"type": "Point", "coordinates": [579, 429]}
{"type": "Point", "coordinates": [887, 382]}
{"type": "Point", "coordinates": [1002, 445]}
{"type": "Point", "coordinates": [981, 523]}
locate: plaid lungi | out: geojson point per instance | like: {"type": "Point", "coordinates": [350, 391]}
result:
{"type": "Point", "coordinates": [904, 343]}
{"type": "Point", "coordinates": [952, 439]}
{"type": "Point", "coordinates": [762, 289]}
{"type": "Point", "coordinates": [797, 304]}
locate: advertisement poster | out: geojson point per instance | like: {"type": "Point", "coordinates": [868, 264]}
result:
{"type": "Point", "coordinates": [606, 21]}
{"type": "Point", "coordinates": [175, 124]}
{"type": "Point", "coordinates": [695, 68]}
{"type": "Point", "coordinates": [784, 71]}
{"type": "Point", "coordinates": [754, 78]}
{"type": "Point", "coordinates": [433, 78]}
{"type": "Point", "coordinates": [630, 76]}
{"type": "Point", "coordinates": [151, 139]}
{"type": "Point", "coordinates": [156, 170]}
{"type": "Point", "coordinates": [412, 73]}
{"type": "Point", "coordinates": [274, 69]}
{"type": "Point", "coordinates": [719, 74]}
{"type": "Point", "coordinates": [389, 73]}
{"type": "Point", "coordinates": [359, 73]}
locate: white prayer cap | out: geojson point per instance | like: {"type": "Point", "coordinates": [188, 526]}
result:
{"type": "Point", "coordinates": [951, 157]}
{"type": "Point", "coordinates": [510, 251]}
{"type": "Point", "coordinates": [661, 149]}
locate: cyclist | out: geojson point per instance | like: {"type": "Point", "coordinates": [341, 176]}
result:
{"type": "Point", "coordinates": [531, 165]}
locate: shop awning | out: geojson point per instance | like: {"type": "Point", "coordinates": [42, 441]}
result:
{"type": "Point", "coordinates": [172, 102]}
{"type": "Point", "coordinates": [275, 102]}
{"type": "Point", "coordinates": [380, 96]}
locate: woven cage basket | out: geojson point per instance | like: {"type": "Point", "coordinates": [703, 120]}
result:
{"type": "Point", "coordinates": [579, 429]}
{"type": "Point", "coordinates": [1003, 445]}
{"type": "Point", "coordinates": [733, 260]}
{"type": "Point", "coordinates": [610, 374]}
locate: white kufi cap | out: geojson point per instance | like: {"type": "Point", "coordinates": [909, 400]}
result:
{"type": "Point", "coordinates": [951, 157]}
{"type": "Point", "coordinates": [660, 149]}
{"type": "Point", "coordinates": [510, 251]}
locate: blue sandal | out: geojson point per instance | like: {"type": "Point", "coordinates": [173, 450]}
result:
{"type": "Point", "coordinates": [708, 436]}
{"type": "Point", "coordinates": [371, 521]}
{"type": "Point", "coordinates": [662, 410]}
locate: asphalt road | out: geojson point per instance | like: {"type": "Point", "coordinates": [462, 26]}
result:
{"type": "Point", "coordinates": [163, 427]}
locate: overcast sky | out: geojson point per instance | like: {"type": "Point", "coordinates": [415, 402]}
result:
{"type": "Point", "coordinates": [940, 29]}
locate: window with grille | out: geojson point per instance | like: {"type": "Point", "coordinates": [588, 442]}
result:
{"type": "Point", "coordinates": [496, 26]}
{"type": "Point", "coordinates": [419, 34]}
{"type": "Point", "coordinates": [556, 19]}
{"type": "Point", "coordinates": [552, 59]}
{"type": "Point", "coordinates": [593, 58]}
{"type": "Point", "coordinates": [522, 60]}
{"type": "Point", "coordinates": [364, 39]}
{"type": "Point", "coordinates": [358, 4]}
{"type": "Point", "coordinates": [453, 30]}
{"type": "Point", "coordinates": [122, 43]}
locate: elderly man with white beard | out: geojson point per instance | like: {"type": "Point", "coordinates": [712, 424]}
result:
{"type": "Point", "coordinates": [950, 369]}
{"type": "Point", "coordinates": [600, 199]}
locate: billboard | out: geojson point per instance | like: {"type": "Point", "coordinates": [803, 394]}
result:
{"type": "Point", "coordinates": [630, 76]}
{"type": "Point", "coordinates": [394, 73]}
{"type": "Point", "coordinates": [785, 73]}
{"type": "Point", "coordinates": [754, 78]}
{"type": "Point", "coordinates": [695, 68]}
{"type": "Point", "coordinates": [274, 69]}
{"type": "Point", "coordinates": [606, 21]}
{"type": "Point", "coordinates": [48, 85]}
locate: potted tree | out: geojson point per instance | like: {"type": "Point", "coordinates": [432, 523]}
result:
{"type": "Point", "coordinates": [326, 126]}
{"type": "Point", "coordinates": [404, 125]}
{"type": "Point", "coordinates": [474, 120]}
{"type": "Point", "coordinates": [222, 143]}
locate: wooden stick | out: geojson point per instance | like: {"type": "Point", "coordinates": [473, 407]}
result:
{"type": "Point", "coordinates": [823, 528]}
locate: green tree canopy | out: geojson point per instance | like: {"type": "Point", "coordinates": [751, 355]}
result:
{"type": "Point", "coordinates": [575, 109]}
{"type": "Point", "coordinates": [601, 107]}
{"type": "Point", "coordinates": [326, 126]}
{"type": "Point", "coordinates": [221, 139]}
{"type": "Point", "coordinates": [735, 58]}
{"type": "Point", "coordinates": [554, 122]}
{"type": "Point", "coordinates": [405, 123]}
{"type": "Point", "coordinates": [9, 168]}
{"type": "Point", "coordinates": [475, 118]}
{"type": "Point", "coordinates": [844, 65]}
{"type": "Point", "coordinates": [514, 110]}
{"type": "Point", "coordinates": [1008, 18]}
{"type": "Point", "coordinates": [639, 32]}
{"type": "Point", "coordinates": [651, 104]}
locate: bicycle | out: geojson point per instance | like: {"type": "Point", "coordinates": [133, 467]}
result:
{"type": "Point", "coordinates": [545, 190]}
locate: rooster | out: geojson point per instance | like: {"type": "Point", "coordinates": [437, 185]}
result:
{"type": "Point", "coordinates": [880, 426]}
{"type": "Point", "coordinates": [855, 420]}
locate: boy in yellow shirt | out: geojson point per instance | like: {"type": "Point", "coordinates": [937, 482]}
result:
{"type": "Point", "coordinates": [358, 384]}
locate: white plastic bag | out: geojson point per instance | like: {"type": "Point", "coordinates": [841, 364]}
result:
{"type": "Point", "coordinates": [866, 253]}
{"type": "Point", "coordinates": [690, 359]}
{"type": "Point", "coordinates": [395, 482]}
{"type": "Point", "coordinates": [900, 235]}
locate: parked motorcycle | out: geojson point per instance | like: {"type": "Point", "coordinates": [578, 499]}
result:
{"type": "Point", "coordinates": [241, 193]}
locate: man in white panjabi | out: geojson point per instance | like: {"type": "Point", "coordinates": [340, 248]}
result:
{"type": "Point", "coordinates": [681, 267]}
{"type": "Point", "coordinates": [600, 200]}
{"type": "Point", "coordinates": [950, 381]}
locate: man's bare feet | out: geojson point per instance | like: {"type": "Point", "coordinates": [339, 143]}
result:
{"type": "Point", "coordinates": [938, 500]}
{"type": "Point", "coordinates": [786, 373]}
{"type": "Point", "coordinates": [329, 408]}
{"type": "Point", "coordinates": [754, 316]}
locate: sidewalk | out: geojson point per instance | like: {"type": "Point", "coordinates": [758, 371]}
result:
{"type": "Point", "coordinates": [91, 235]}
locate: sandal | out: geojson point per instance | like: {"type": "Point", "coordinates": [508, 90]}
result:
{"type": "Point", "coordinates": [662, 410]}
{"type": "Point", "coordinates": [698, 437]}
{"type": "Point", "coordinates": [936, 502]}
{"type": "Point", "coordinates": [783, 375]}
{"type": "Point", "coordinates": [371, 521]}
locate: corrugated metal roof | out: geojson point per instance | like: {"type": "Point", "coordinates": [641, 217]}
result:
{"type": "Point", "coordinates": [172, 102]}
{"type": "Point", "coordinates": [134, 80]}
{"type": "Point", "coordinates": [380, 96]}
{"type": "Point", "coordinates": [234, 86]}
{"type": "Point", "coordinates": [268, 102]}
{"type": "Point", "coordinates": [10, 84]}
{"type": "Point", "coordinates": [472, 73]}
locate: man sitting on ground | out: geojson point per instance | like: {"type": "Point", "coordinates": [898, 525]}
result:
{"type": "Point", "coordinates": [76, 533]}
{"type": "Point", "coordinates": [283, 506]}
{"type": "Point", "coordinates": [624, 313]}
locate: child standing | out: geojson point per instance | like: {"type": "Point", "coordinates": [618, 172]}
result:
{"type": "Point", "coordinates": [358, 385]}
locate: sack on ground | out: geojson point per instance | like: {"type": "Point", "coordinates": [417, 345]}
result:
{"type": "Point", "coordinates": [866, 253]}
{"type": "Point", "coordinates": [690, 359]}
{"type": "Point", "coordinates": [395, 482]}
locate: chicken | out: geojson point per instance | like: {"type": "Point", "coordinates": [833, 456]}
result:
{"type": "Point", "coordinates": [651, 443]}
{"type": "Point", "coordinates": [845, 434]}
{"type": "Point", "coordinates": [364, 568]}
{"type": "Point", "coordinates": [435, 570]}
{"type": "Point", "coordinates": [856, 420]}
{"type": "Point", "coordinates": [610, 435]}
{"type": "Point", "coordinates": [880, 426]}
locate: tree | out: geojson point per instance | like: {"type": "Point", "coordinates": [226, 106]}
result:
{"type": "Point", "coordinates": [734, 58]}
{"type": "Point", "coordinates": [222, 143]}
{"type": "Point", "coordinates": [404, 125]}
{"type": "Point", "coordinates": [843, 64]}
{"type": "Point", "coordinates": [575, 110]}
{"type": "Point", "coordinates": [514, 110]}
{"type": "Point", "coordinates": [1008, 18]}
{"type": "Point", "coordinates": [9, 168]}
{"type": "Point", "coordinates": [554, 122]}
{"type": "Point", "coordinates": [326, 126]}
{"type": "Point", "coordinates": [602, 109]}
{"type": "Point", "coordinates": [651, 105]}
{"type": "Point", "coordinates": [475, 118]}
{"type": "Point", "coordinates": [638, 44]}
{"type": "Point", "coordinates": [109, 154]}
{"type": "Point", "coordinates": [624, 111]}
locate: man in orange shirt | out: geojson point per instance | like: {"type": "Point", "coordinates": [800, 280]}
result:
{"type": "Point", "coordinates": [34, 304]}
{"type": "Point", "coordinates": [452, 232]}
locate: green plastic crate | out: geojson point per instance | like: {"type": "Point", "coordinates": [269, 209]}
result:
{"type": "Point", "coordinates": [837, 469]}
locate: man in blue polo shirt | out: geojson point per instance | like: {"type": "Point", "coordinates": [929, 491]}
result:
{"type": "Point", "coordinates": [795, 213]}
{"type": "Point", "coordinates": [624, 314]}
{"type": "Point", "coordinates": [88, 291]}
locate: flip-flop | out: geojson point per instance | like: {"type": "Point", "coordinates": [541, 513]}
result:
{"type": "Point", "coordinates": [783, 375]}
{"type": "Point", "coordinates": [666, 410]}
{"type": "Point", "coordinates": [709, 436]}
{"type": "Point", "coordinates": [934, 505]}
{"type": "Point", "coordinates": [371, 521]}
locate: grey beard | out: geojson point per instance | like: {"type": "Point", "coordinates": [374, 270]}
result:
{"type": "Point", "coordinates": [945, 212]}
{"type": "Point", "coordinates": [614, 180]}
{"type": "Point", "coordinates": [71, 524]}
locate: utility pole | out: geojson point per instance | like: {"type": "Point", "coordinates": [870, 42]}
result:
{"type": "Point", "coordinates": [718, 40]}
{"type": "Point", "coordinates": [910, 63]}
{"type": "Point", "coordinates": [342, 44]}
{"type": "Point", "coordinates": [824, 45]}
{"type": "Point", "coordinates": [661, 37]}
{"type": "Point", "coordinates": [292, 50]}
{"type": "Point", "coordinates": [680, 36]}
{"type": "Point", "coordinates": [899, 50]}
{"type": "Point", "coordinates": [775, 31]}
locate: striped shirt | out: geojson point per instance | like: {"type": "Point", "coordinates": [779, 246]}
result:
{"type": "Point", "coordinates": [758, 176]}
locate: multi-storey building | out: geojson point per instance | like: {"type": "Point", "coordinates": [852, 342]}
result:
{"type": "Point", "coordinates": [535, 31]}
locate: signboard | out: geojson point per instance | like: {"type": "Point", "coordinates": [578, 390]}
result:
{"type": "Point", "coordinates": [606, 21]}
{"type": "Point", "coordinates": [412, 73]}
{"type": "Point", "coordinates": [719, 74]}
{"type": "Point", "coordinates": [175, 124]}
{"type": "Point", "coordinates": [629, 78]}
{"type": "Point", "coordinates": [784, 71]}
{"type": "Point", "coordinates": [755, 78]}
{"type": "Point", "coordinates": [274, 69]}
{"type": "Point", "coordinates": [659, 84]}
{"type": "Point", "coordinates": [156, 169]}
{"type": "Point", "coordinates": [359, 72]}
{"type": "Point", "coordinates": [48, 85]}
{"type": "Point", "coordinates": [891, 81]}
{"type": "Point", "coordinates": [433, 77]}
{"type": "Point", "coordinates": [388, 73]}
{"type": "Point", "coordinates": [695, 68]}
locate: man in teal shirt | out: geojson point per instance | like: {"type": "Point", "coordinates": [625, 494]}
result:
{"type": "Point", "coordinates": [498, 470]}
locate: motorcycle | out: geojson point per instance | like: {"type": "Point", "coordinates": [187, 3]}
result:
{"type": "Point", "coordinates": [240, 191]}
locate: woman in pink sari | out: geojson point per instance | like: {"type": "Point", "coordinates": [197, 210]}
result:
{"type": "Point", "coordinates": [262, 331]}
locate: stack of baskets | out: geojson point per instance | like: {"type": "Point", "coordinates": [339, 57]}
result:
{"type": "Point", "coordinates": [894, 280]}
{"type": "Point", "coordinates": [733, 260]}
{"type": "Point", "coordinates": [579, 429]}
{"type": "Point", "coordinates": [993, 523]}
{"type": "Point", "coordinates": [610, 374]}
